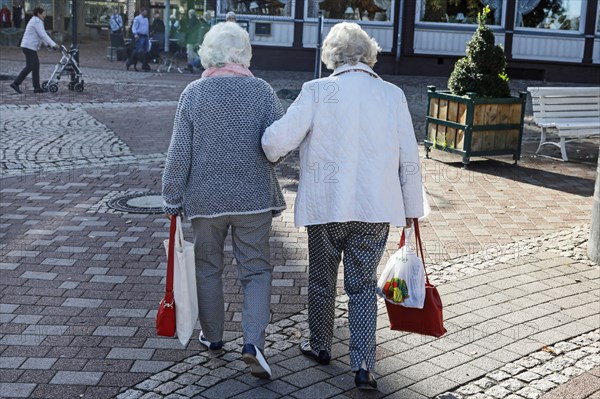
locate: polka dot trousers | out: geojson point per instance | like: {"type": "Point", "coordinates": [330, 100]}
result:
{"type": "Point", "coordinates": [362, 245]}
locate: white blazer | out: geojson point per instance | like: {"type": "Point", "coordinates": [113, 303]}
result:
{"type": "Point", "coordinates": [359, 159]}
{"type": "Point", "coordinates": [35, 35]}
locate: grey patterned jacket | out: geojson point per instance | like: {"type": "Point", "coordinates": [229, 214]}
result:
{"type": "Point", "coordinates": [215, 164]}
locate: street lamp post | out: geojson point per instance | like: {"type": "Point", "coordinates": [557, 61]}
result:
{"type": "Point", "coordinates": [319, 46]}
{"type": "Point", "coordinates": [74, 38]}
{"type": "Point", "coordinates": [167, 24]}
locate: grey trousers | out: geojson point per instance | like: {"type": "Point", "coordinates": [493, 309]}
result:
{"type": "Point", "coordinates": [362, 245]}
{"type": "Point", "coordinates": [250, 234]}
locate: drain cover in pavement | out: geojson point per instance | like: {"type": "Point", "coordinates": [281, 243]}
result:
{"type": "Point", "coordinates": [138, 203]}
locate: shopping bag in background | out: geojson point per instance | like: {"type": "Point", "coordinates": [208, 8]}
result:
{"type": "Point", "coordinates": [402, 282]}
{"type": "Point", "coordinates": [184, 284]}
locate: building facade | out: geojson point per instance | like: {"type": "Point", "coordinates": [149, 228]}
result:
{"type": "Point", "coordinates": [555, 40]}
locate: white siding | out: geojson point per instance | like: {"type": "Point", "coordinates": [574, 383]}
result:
{"type": "Point", "coordinates": [547, 48]}
{"type": "Point", "coordinates": [282, 34]}
{"type": "Point", "coordinates": [445, 42]}
{"type": "Point", "coordinates": [384, 35]}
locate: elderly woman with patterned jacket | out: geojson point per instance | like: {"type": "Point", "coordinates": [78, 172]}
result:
{"type": "Point", "coordinates": [359, 173]}
{"type": "Point", "coordinates": [217, 174]}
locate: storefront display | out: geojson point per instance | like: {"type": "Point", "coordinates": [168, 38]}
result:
{"type": "Point", "coordinates": [97, 13]}
{"type": "Point", "coordinates": [278, 8]}
{"type": "Point", "coordinates": [357, 10]}
{"type": "Point", "coordinates": [460, 11]}
{"type": "Point", "coordinates": [562, 15]}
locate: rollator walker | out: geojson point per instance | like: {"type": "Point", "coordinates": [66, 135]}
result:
{"type": "Point", "coordinates": [66, 66]}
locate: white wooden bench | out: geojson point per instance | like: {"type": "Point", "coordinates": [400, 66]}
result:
{"type": "Point", "coordinates": [573, 111]}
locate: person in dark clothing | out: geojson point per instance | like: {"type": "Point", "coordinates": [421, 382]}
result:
{"type": "Point", "coordinates": [158, 30]}
{"type": "Point", "coordinates": [17, 16]}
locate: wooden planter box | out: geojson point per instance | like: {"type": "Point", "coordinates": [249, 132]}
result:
{"type": "Point", "coordinates": [474, 127]}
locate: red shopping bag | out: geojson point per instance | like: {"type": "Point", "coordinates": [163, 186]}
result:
{"type": "Point", "coordinates": [165, 318]}
{"type": "Point", "coordinates": [426, 321]}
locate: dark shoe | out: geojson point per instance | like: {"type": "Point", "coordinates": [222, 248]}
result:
{"type": "Point", "coordinates": [254, 358]}
{"type": "Point", "coordinates": [16, 87]}
{"type": "Point", "coordinates": [40, 90]}
{"type": "Point", "coordinates": [127, 65]}
{"type": "Point", "coordinates": [364, 380]}
{"type": "Point", "coordinates": [212, 346]}
{"type": "Point", "coordinates": [323, 357]}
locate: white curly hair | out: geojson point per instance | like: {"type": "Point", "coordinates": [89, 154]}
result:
{"type": "Point", "coordinates": [347, 43]}
{"type": "Point", "coordinates": [225, 43]}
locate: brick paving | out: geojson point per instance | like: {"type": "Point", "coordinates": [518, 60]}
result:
{"type": "Point", "coordinates": [80, 282]}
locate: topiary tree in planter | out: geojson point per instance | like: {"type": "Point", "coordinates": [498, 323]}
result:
{"type": "Point", "coordinates": [482, 71]}
{"type": "Point", "coordinates": [477, 116]}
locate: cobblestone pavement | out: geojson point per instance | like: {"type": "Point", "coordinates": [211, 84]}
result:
{"type": "Point", "coordinates": [496, 316]}
{"type": "Point", "coordinates": [80, 282]}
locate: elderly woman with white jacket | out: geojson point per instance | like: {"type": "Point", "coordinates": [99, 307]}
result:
{"type": "Point", "coordinates": [35, 35]}
{"type": "Point", "coordinates": [360, 172]}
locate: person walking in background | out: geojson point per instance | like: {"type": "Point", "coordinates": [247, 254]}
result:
{"type": "Point", "coordinates": [230, 17]}
{"type": "Point", "coordinates": [174, 26]}
{"type": "Point", "coordinates": [116, 22]}
{"type": "Point", "coordinates": [217, 174]}
{"type": "Point", "coordinates": [360, 172]}
{"type": "Point", "coordinates": [195, 30]}
{"type": "Point", "coordinates": [140, 30]}
{"type": "Point", "coordinates": [192, 31]}
{"type": "Point", "coordinates": [34, 37]}
{"type": "Point", "coordinates": [135, 14]}
{"type": "Point", "coordinates": [158, 30]}
{"type": "Point", "coordinates": [5, 17]}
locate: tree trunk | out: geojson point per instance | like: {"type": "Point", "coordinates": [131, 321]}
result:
{"type": "Point", "coordinates": [594, 242]}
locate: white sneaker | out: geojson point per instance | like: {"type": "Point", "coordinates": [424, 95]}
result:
{"type": "Point", "coordinates": [212, 346]}
{"type": "Point", "coordinates": [254, 358]}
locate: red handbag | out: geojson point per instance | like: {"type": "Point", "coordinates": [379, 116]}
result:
{"type": "Point", "coordinates": [426, 321]}
{"type": "Point", "coordinates": [165, 318]}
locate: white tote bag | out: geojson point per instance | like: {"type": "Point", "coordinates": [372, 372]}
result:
{"type": "Point", "coordinates": [184, 286]}
{"type": "Point", "coordinates": [402, 281]}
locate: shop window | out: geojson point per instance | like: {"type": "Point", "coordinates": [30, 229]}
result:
{"type": "Point", "coordinates": [47, 5]}
{"type": "Point", "coordinates": [276, 8]}
{"type": "Point", "coordinates": [563, 15]}
{"type": "Point", "coordinates": [460, 11]}
{"type": "Point", "coordinates": [357, 10]}
{"type": "Point", "coordinates": [97, 13]}
{"type": "Point", "coordinates": [598, 21]}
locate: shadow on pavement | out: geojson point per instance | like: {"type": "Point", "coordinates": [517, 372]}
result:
{"type": "Point", "coordinates": [528, 174]}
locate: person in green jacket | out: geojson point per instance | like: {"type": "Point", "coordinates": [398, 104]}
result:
{"type": "Point", "coordinates": [194, 35]}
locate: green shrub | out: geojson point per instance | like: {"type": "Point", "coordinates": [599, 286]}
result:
{"type": "Point", "coordinates": [482, 71]}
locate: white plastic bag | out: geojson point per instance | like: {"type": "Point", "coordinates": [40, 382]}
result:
{"type": "Point", "coordinates": [184, 286]}
{"type": "Point", "coordinates": [402, 281]}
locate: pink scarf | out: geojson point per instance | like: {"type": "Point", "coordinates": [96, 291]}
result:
{"type": "Point", "coordinates": [227, 70]}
